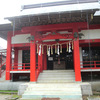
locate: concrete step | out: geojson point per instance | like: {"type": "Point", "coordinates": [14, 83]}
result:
{"type": "Point", "coordinates": [57, 75]}
{"type": "Point", "coordinates": [55, 88]}
{"type": "Point", "coordinates": [55, 81]}
{"type": "Point", "coordinates": [52, 93]}
{"type": "Point", "coordinates": [52, 99]}
{"type": "Point", "coordinates": [44, 71]}
{"type": "Point", "coordinates": [62, 97]}
{"type": "Point", "coordinates": [55, 78]}
{"type": "Point", "coordinates": [68, 91]}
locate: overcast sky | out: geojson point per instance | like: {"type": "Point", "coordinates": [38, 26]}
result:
{"type": "Point", "coordinates": [11, 8]}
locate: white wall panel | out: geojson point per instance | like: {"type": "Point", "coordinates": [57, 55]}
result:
{"type": "Point", "coordinates": [91, 34]}
{"type": "Point", "coordinates": [20, 38]}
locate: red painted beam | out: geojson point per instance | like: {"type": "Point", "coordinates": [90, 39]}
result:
{"type": "Point", "coordinates": [80, 25]}
{"type": "Point", "coordinates": [21, 45]}
{"type": "Point", "coordinates": [97, 26]}
{"type": "Point", "coordinates": [89, 41]}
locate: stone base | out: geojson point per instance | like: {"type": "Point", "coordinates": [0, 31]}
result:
{"type": "Point", "coordinates": [86, 88]}
{"type": "Point", "coordinates": [22, 88]}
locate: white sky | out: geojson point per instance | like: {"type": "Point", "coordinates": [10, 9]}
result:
{"type": "Point", "coordinates": [11, 8]}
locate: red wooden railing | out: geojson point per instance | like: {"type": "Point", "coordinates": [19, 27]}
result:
{"type": "Point", "coordinates": [20, 66]}
{"type": "Point", "coordinates": [90, 64]}
{"type": "Point", "coordinates": [25, 67]}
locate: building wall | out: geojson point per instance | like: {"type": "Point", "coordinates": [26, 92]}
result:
{"type": "Point", "coordinates": [20, 39]}
{"type": "Point", "coordinates": [88, 34]}
{"type": "Point", "coordinates": [91, 34]}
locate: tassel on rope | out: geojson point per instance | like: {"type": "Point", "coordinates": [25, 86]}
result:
{"type": "Point", "coordinates": [60, 48]}
{"type": "Point", "coordinates": [55, 49]}
{"type": "Point", "coordinates": [91, 16]}
{"type": "Point", "coordinates": [67, 47]}
{"type": "Point", "coordinates": [72, 45]}
{"type": "Point", "coordinates": [37, 48]}
{"type": "Point", "coordinates": [51, 49]}
{"type": "Point", "coordinates": [40, 46]}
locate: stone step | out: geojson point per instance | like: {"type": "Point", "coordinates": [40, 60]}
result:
{"type": "Point", "coordinates": [67, 85]}
{"type": "Point", "coordinates": [62, 97]}
{"type": "Point", "coordinates": [57, 71]}
{"type": "Point", "coordinates": [55, 81]}
{"type": "Point", "coordinates": [53, 98]}
{"type": "Point", "coordinates": [58, 75]}
{"type": "Point", "coordinates": [55, 85]}
{"type": "Point", "coordinates": [52, 93]}
{"type": "Point", "coordinates": [56, 89]}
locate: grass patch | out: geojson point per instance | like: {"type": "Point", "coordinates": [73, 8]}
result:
{"type": "Point", "coordinates": [9, 91]}
{"type": "Point", "coordinates": [16, 96]}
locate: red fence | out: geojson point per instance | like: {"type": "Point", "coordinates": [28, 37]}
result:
{"type": "Point", "coordinates": [24, 67]}
{"type": "Point", "coordinates": [90, 64]}
{"type": "Point", "coordinates": [20, 66]}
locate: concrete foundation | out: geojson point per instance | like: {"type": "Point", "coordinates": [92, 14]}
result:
{"type": "Point", "coordinates": [86, 89]}
{"type": "Point", "coordinates": [21, 87]}
{"type": "Point", "coordinates": [7, 85]}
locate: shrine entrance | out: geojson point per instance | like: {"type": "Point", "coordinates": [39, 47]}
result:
{"type": "Point", "coordinates": [64, 61]}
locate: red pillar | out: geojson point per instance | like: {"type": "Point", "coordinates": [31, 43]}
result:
{"type": "Point", "coordinates": [45, 59]}
{"type": "Point", "coordinates": [32, 61]}
{"type": "Point", "coordinates": [40, 58]}
{"type": "Point", "coordinates": [16, 57]}
{"type": "Point", "coordinates": [77, 59]}
{"type": "Point", "coordinates": [8, 59]}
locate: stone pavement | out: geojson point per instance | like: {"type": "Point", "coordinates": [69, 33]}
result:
{"type": "Point", "coordinates": [4, 97]}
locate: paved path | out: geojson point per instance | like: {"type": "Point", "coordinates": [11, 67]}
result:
{"type": "Point", "coordinates": [3, 97]}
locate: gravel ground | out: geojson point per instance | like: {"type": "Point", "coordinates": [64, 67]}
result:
{"type": "Point", "coordinates": [3, 97]}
